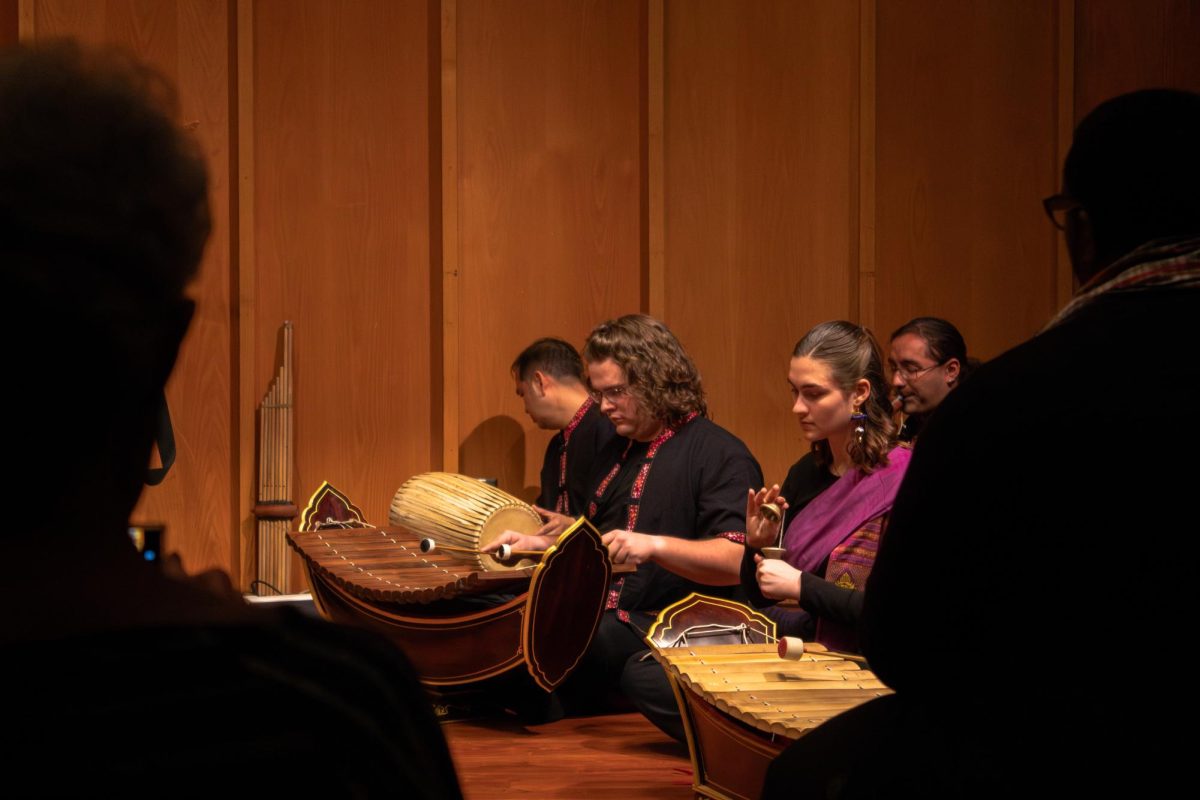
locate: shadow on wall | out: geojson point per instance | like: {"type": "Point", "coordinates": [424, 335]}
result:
{"type": "Point", "coordinates": [496, 449]}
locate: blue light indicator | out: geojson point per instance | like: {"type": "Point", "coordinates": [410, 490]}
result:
{"type": "Point", "coordinates": [149, 555]}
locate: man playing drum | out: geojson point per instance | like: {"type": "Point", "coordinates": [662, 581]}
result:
{"type": "Point", "coordinates": [550, 381]}
{"type": "Point", "coordinates": [670, 497]}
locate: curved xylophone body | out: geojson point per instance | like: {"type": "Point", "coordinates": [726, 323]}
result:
{"type": "Point", "coordinates": [742, 704]}
{"type": "Point", "coordinates": [458, 624]}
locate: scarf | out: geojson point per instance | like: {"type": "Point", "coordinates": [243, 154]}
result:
{"type": "Point", "coordinates": [853, 500]}
{"type": "Point", "coordinates": [1174, 263]}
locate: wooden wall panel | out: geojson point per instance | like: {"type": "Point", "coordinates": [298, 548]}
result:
{"type": "Point", "coordinates": [188, 41]}
{"type": "Point", "coordinates": [1119, 49]}
{"type": "Point", "coordinates": [341, 236]}
{"type": "Point", "coordinates": [720, 162]}
{"type": "Point", "coordinates": [761, 194]}
{"type": "Point", "coordinates": [966, 132]}
{"type": "Point", "coordinates": [9, 22]}
{"type": "Point", "coordinates": [548, 115]}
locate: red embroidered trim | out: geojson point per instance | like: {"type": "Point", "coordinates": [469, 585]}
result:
{"type": "Point", "coordinates": [623, 616]}
{"type": "Point", "coordinates": [734, 536]}
{"type": "Point", "coordinates": [614, 594]}
{"type": "Point", "coordinates": [563, 504]}
{"type": "Point", "coordinates": [667, 434]}
{"type": "Point", "coordinates": [612, 473]}
{"type": "Point", "coordinates": [635, 497]}
{"type": "Point", "coordinates": [575, 420]}
{"type": "Point", "coordinates": [639, 482]}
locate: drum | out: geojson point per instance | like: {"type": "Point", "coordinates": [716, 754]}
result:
{"type": "Point", "coordinates": [462, 515]}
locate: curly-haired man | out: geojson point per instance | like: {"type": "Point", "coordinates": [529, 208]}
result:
{"type": "Point", "coordinates": [670, 498]}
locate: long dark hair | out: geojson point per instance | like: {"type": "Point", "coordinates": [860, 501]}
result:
{"type": "Point", "coordinates": [852, 354]}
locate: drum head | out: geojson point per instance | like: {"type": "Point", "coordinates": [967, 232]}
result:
{"type": "Point", "coordinates": [521, 519]}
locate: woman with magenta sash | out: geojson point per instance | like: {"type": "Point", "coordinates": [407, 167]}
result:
{"type": "Point", "coordinates": [840, 493]}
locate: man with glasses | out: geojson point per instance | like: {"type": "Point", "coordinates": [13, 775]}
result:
{"type": "Point", "coordinates": [928, 360]}
{"type": "Point", "coordinates": [669, 497]}
{"type": "Point", "coordinates": [1071, 547]}
{"type": "Point", "coordinates": [550, 382]}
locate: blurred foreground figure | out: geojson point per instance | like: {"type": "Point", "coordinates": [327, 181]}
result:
{"type": "Point", "coordinates": [1054, 573]}
{"type": "Point", "coordinates": [123, 680]}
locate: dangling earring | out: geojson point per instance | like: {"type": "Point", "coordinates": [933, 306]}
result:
{"type": "Point", "coordinates": [860, 426]}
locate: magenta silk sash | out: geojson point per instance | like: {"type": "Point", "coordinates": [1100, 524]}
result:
{"type": "Point", "coordinates": [852, 501]}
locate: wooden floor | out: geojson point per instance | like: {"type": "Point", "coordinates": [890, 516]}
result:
{"type": "Point", "coordinates": [617, 756]}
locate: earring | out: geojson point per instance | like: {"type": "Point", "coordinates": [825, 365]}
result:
{"type": "Point", "coordinates": [860, 422]}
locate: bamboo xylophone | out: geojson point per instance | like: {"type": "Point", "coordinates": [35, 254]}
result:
{"type": "Point", "coordinates": [384, 564]}
{"type": "Point", "coordinates": [741, 701]}
{"type": "Point", "coordinates": [753, 685]}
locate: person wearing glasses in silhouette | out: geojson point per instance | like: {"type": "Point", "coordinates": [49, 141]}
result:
{"type": "Point", "coordinates": [1019, 585]}
{"type": "Point", "coordinates": [128, 678]}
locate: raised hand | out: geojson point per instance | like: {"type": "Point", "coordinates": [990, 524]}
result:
{"type": "Point", "coordinates": [762, 531]}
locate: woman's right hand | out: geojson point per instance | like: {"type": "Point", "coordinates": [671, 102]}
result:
{"type": "Point", "coordinates": [777, 580]}
{"type": "Point", "coordinates": [761, 531]}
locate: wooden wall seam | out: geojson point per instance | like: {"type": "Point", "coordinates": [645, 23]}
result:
{"type": "Point", "coordinates": [1064, 284]}
{"type": "Point", "coordinates": [27, 20]}
{"type": "Point", "coordinates": [242, 283]}
{"type": "Point", "coordinates": [449, 235]}
{"type": "Point", "coordinates": [654, 166]}
{"type": "Point", "coordinates": [863, 280]}
{"type": "Point", "coordinates": [437, 439]}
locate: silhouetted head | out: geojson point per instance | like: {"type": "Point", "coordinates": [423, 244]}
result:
{"type": "Point", "coordinates": [1133, 169]}
{"type": "Point", "coordinates": [103, 219]}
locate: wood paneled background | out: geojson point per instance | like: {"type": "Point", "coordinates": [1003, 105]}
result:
{"type": "Point", "coordinates": [424, 186]}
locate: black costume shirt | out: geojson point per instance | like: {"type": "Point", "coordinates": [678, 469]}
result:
{"type": "Point", "coordinates": [692, 484]}
{"type": "Point", "coordinates": [571, 458]}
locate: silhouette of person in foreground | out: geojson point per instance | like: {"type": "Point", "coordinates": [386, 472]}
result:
{"type": "Point", "coordinates": [123, 679]}
{"type": "Point", "coordinates": [1027, 599]}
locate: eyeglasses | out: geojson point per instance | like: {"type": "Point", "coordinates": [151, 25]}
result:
{"type": "Point", "coordinates": [1059, 207]}
{"type": "Point", "coordinates": [908, 374]}
{"type": "Point", "coordinates": [612, 394]}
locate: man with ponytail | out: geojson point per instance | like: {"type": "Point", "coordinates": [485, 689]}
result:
{"type": "Point", "coordinates": [928, 360]}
